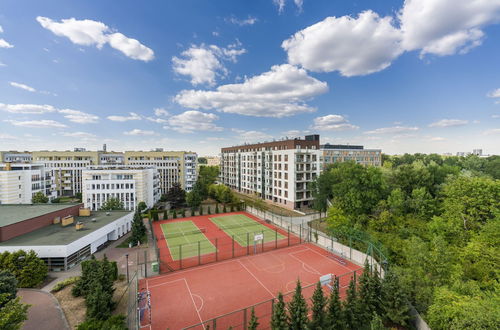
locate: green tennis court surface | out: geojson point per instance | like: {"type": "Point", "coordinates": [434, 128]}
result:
{"type": "Point", "coordinates": [243, 229]}
{"type": "Point", "coordinates": [182, 240]}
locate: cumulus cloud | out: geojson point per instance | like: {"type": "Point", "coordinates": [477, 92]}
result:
{"type": "Point", "coordinates": [495, 94]}
{"type": "Point", "coordinates": [449, 123]}
{"type": "Point", "coordinates": [37, 123]}
{"type": "Point", "coordinates": [281, 92]}
{"type": "Point", "coordinates": [352, 46]}
{"type": "Point", "coordinates": [161, 112]}
{"type": "Point", "coordinates": [250, 20]}
{"type": "Point", "coordinates": [5, 44]}
{"type": "Point", "coordinates": [192, 121]}
{"type": "Point", "coordinates": [252, 136]}
{"type": "Point", "coordinates": [392, 130]}
{"type": "Point", "coordinates": [332, 123]}
{"type": "Point", "coordinates": [137, 131]}
{"type": "Point", "coordinates": [80, 117]}
{"type": "Point", "coordinates": [280, 4]}
{"type": "Point", "coordinates": [89, 33]}
{"type": "Point", "coordinates": [27, 108]}
{"type": "Point", "coordinates": [203, 63]}
{"type": "Point", "coordinates": [22, 86]}
{"type": "Point", "coordinates": [131, 116]}
{"type": "Point", "coordinates": [445, 27]}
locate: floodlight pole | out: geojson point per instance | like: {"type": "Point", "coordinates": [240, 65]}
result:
{"type": "Point", "coordinates": [127, 267]}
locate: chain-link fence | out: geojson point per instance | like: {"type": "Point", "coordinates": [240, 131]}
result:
{"type": "Point", "coordinates": [132, 311]}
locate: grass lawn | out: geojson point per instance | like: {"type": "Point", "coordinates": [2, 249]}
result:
{"type": "Point", "coordinates": [244, 228]}
{"type": "Point", "coordinates": [187, 235]}
{"type": "Point", "coordinates": [249, 199]}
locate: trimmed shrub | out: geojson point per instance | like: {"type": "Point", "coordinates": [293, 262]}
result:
{"type": "Point", "coordinates": [61, 285]}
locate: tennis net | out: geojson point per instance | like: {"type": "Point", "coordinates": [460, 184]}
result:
{"type": "Point", "coordinates": [239, 225]}
{"type": "Point", "coordinates": [184, 233]}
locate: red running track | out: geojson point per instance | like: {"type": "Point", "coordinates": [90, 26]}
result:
{"type": "Point", "coordinates": [188, 297]}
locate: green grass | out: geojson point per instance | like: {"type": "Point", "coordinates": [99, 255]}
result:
{"type": "Point", "coordinates": [189, 241]}
{"type": "Point", "coordinates": [244, 235]}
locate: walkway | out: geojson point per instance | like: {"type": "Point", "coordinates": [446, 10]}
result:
{"type": "Point", "coordinates": [44, 313]}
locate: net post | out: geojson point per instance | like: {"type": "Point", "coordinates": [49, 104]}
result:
{"type": "Point", "coordinates": [199, 252]}
{"type": "Point", "coordinates": [232, 242]}
{"type": "Point", "coordinates": [248, 243]}
{"type": "Point", "coordinates": [216, 249]}
{"type": "Point", "coordinates": [180, 256]}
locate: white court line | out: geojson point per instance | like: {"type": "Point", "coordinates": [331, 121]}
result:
{"type": "Point", "coordinates": [202, 301]}
{"type": "Point", "coordinates": [192, 299]}
{"type": "Point", "coordinates": [272, 295]}
{"type": "Point", "coordinates": [303, 263]}
{"type": "Point", "coordinates": [154, 286]}
{"type": "Point", "coordinates": [336, 262]}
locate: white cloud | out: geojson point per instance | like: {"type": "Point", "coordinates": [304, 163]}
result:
{"type": "Point", "coordinates": [22, 86]}
{"type": "Point", "coordinates": [495, 116]}
{"type": "Point", "coordinates": [280, 4]}
{"type": "Point", "coordinates": [80, 135]}
{"type": "Point", "coordinates": [294, 133]}
{"type": "Point", "coordinates": [436, 139]}
{"type": "Point", "coordinates": [1, 29]}
{"type": "Point", "coordinates": [192, 121]}
{"type": "Point", "coordinates": [27, 108]}
{"type": "Point", "coordinates": [161, 112]}
{"type": "Point", "coordinates": [492, 131]}
{"type": "Point", "coordinates": [299, 4]}
{"type": "Point", "coordinates": [494, 93]}
{"type": "Point", "coordinates": [137, 131]}
{"type": "Point", "coordinates": [130, 47]}
{"type": "Point", "coordinates": [204, 63]}
{"type": "Point", "coordinates": [392, 130]}
{"type": "Point", "coordinates": [2, 64]}
{"type": "Point", "coordinates": [37, 123]}
{"type": "Point", "coordinates": [332, 123]}
{"type": "Point", "coordinates": [352, 46]}
{"type": "Point", "coordinates": [132, 116]}
{"type": "Point", "coordinates": [5, 44]}
{"type": "Point", "coordinates": [280, 92]}
{"type": "Point", "coordinates": [4, 136]}
{"type": "Point", "coordinates": [88, 33]}
{"type": "Point", "coordinates": [80, 117]}
{"type": "Point", "coordinates": [157, 120]}
{"type": "Point", "coordinates": [241, 22]}
{"type": "Point", "coordinates": [252, 136]}
{"type": "Point", "coordinates": [445, 27]}
{"type": "Point", "coordinates": [449, 123]}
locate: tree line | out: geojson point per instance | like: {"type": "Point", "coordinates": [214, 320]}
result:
{"type": "Point", "coordinates": [438, 219]}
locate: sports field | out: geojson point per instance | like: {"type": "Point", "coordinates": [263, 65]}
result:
{"type": "Point", "coordinates": [243, 229]}
{"type": "Point", "coordinates": [185, 240]}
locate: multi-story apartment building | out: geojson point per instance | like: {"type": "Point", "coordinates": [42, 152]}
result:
{"type": "Point", "coordinates": [15, 157]}
{"type": "Point", "coordinates": [65, 168]}
{"type": "Point", "coordinates": [337, 153]}
{"type": "Point", "coordinates": [173, 166]}
{"type": "Point", "coordinates": [130, 184]}
{"type": "Point", "coordinates": [19, 182]}
{"type": "Point", "coordinates": [277, 171]}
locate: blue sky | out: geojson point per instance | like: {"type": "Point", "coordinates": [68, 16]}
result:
{"type": "Point", "coordinates": [414, 76]}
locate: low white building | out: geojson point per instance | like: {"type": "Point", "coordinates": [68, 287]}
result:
{"type": "Point", "coordinates": [130, 184]}
{"type": "Point", "coordinates": [19, 182]}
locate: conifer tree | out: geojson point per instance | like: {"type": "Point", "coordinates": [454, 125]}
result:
{"type": "Point", "coordinates": [224, 210]}
{"type": "Point", "coordinates": [232, 208]}
{"type": "Point", "coordinates": [174, 214]}
{"type": "Point", "coordinates": [279, 319]}
{"type": "Point", "coordinates": [318, 320]}
{"type": "Point", "coordinates": [377, 291]}
{"type": "Point", "coordinates": [183, 213]}
{"type": "Point", "coordinates": [253, 323]}
{"type": "Point", "coordinates": [201, 210]}
{"type": "Point", "coordinates": [334, 309]}
{"type": "Point", "coordinates": [350, 307]}
{"type": "Point", "coordinates": [209, 211]}
{"type": "Point", "coordinates": [395, 304]}
{"type": "Point", "coordinates": [138, 229]}
{"type": "Point", "coordinates": [297, 309]}
{"type": "Point", "coordinates": [217, 209]}
{"type": "Point", "coordinates": [367, 300]}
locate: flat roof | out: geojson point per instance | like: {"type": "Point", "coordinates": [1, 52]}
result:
{"type": "Point", "coordinates": [13, 213]}
{"type": "Point", "coordinates": [58, 235]}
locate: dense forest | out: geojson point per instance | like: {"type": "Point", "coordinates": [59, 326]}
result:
{"type": "Point", "coordinates": [438, 219]}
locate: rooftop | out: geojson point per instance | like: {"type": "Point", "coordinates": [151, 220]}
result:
{"type": "Point", "coordinates": [13, 213]}
{"type": "Point", "coordinates": [58, 235]}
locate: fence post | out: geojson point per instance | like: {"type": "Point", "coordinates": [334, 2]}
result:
{"type": "Point", "coordinates": [180, 256]}
{"type": "Point", "coordinates": [214, 324]}
{"type": "Point", "coordinates": [232, 242]}
{"type": "Point", "coordinates": [288, 235]}
{"type": "Point", "coordinates": [276, 238]}
{"type": "Point", "coordinates": [248, 243]}
{"type": "Point", "coordinates": [216, 250]}
{"type": "Point", "coordinates": [245, 323]}
{"type": "Point", "coordinates": [146, 263]}
{"type": "Point", "coordinates": [350, 247]}
{"type": "Point", "coordinates": [263, 241]}
{"type": "Point", "coordinates": [199, 252]}
{"type": "Point", "coordinates": [300, 234]}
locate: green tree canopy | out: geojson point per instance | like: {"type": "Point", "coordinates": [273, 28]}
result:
{"type": "Point", "coordinates": [39, 198]}
{"type": "Point", "coordinates": [112, 204]}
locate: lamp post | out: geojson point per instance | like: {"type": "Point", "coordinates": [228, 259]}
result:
{"type": "Point", "coordinates": [127, 267]}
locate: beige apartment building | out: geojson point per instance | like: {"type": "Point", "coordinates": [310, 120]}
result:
{"type": "Point", "coordinates": [19, 182]}
{"type": "Point", "coordinates": [338, 153]}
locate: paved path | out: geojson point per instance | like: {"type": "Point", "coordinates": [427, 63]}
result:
{"type": "Point", "coordinates": [44, 313]}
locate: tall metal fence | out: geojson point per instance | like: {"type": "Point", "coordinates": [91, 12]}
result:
{"type": "Point", "coordinates": [132, 311]}
{"type": "Point", "coordinates": [239, 319]}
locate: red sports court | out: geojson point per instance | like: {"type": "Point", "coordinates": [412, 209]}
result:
{"type": "Point", "coordinates": [223, 290]}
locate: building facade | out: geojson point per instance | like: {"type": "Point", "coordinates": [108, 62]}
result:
{"type": "Point", "coordinates": [277, 171]}
{"type": "Point", "coordinates": [173, 166]}
{"type": "Point", "coordinates": [15, 157]}
{"type": "Point", "coordinates": [19, 182]}
{"type": "Point", "coordinates": [339, 153]}
{"type": "Point", "coordinates": [128, 183]}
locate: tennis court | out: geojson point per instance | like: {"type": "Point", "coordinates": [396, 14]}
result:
{"type": "Point", "coordinates": [187, 235]}
{"type": "Point", "coordinates": [244, 229]}
{"type": "Point", "coordinates": [220, 294]}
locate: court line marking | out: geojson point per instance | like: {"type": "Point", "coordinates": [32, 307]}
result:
{"type": "Point", "coordinates": [272, 295]}
{"type": "Point", "coordinates": [188, 243]}
{"type": "Point", "coordinates": [177, 280]}
{"type": "Point", "coordinates": [281, 264]}
{"type": "Point", "coordinates": [201, 299]}
{"type": "Point", "coordinates": [336, 262]}
{"type": "Point", "coordinates": [304, 264]}
{"type": "Point", "coordinates": [192, 299]}
{"type": "Point", "coordinates": [191, 269]}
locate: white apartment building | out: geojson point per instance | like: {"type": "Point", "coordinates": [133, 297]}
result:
{"type": "Point", "coordinates": [15, 157]}
{"type": "Point", "coordinates": [277, 171]}
{"type": "Point", "coordinates": [19, 182]}
{"type": "Point", "coordinates": [130, 184]}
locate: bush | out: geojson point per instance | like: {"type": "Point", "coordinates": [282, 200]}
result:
{"type": "Point", "coordinates": [121, 277]}
{"type": "Point", "coordinates": [115, 322]}
{"type": "Point", "coordinates": [232, 208]}
{"type": "Point", "coordinates": [183, 213]}
{"type": "Point", "coordinates": [201, 210]}
{"type": "Point", "coordinates": [217, 211]}
{"type": "Point", "coordinates": [209, 211]}
{"type": "Point", "coordinates": [174, 214]}
{"type": "Point", "coordinates": [28, 269]}
{"type": "Point", "coordinates": [224, 210]}
{"type": "Point", "coordinates": [61, 285]}
{"type": "Point", "coordinates": [8, 285]}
